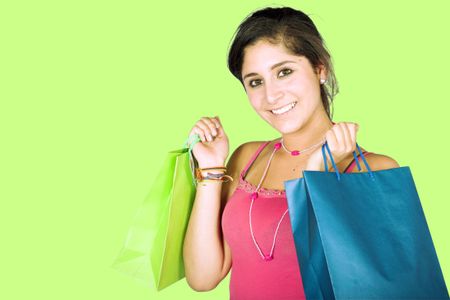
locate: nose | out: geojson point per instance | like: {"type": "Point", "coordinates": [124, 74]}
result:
{"type": "Point", "coordinates": [273, 92]}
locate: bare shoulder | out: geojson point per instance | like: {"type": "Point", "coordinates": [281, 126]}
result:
{"type": "Point", "coordinates": [235, 164]}
{"type": "Point", "coordinates": [378, 161]}
{"type": "Point", "coordinates": [240, 156]}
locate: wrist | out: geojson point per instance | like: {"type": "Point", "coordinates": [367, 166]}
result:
{"type": "Point", "coordinates": [207, 165]}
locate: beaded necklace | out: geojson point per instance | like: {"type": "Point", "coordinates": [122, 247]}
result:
{"type": "Point", "coordinates": [254, 196]}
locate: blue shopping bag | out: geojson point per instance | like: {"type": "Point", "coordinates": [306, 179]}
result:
{"type": "Point", "coordinates": [362, 235]}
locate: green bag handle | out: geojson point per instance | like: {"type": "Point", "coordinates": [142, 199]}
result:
{"type": "Point", "coordinates": [189, 144]}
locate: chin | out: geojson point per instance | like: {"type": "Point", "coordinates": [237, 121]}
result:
{"type": "Point", "coordinates": [287, 127]}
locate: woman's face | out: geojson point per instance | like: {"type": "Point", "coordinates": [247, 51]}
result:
{"type": "Point", "coordinates": [271, 84]}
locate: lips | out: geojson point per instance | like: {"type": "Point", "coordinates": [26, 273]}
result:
{"type": "Point", "coordinates": [283, 109]}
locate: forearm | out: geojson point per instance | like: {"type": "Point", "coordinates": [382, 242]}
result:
{"type": "Point", "coordinates": [203, 245]}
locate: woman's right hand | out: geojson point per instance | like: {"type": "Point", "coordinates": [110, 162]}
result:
{"type": "Point", "coordinates": [213, 149]}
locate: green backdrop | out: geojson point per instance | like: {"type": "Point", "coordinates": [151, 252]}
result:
{"type": "Point", "coordinates": [94, 93]}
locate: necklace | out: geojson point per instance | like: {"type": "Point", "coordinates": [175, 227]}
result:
{"type": "Point", "coordinates": [254, 196]}
{"type": "Point", "coordinates": [297, 152]}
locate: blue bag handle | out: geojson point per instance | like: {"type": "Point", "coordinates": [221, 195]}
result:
{"type": "Point", "coordinates": [325, 146]}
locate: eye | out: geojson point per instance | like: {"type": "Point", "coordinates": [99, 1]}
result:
{"type": "Point", "coordinates": [289, 71]}
{"type": "Point", "coordinates": [250, 83]}
{"type": "Point", "coordinates": [285, 71]}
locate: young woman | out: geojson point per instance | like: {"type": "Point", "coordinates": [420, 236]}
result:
{"type": "Point", "coordinates": [281, 60]}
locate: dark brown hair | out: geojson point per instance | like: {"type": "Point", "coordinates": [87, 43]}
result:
{"type": "Point", "coordinates": [298, 34]}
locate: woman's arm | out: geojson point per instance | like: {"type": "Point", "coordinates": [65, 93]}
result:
{"type": "Point", "coordinates": [207, 257]}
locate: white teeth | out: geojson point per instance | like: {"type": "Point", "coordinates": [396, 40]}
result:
{"type": "Point", "coordinates": [284, 109]}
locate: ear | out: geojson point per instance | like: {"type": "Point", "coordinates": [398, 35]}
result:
{"type": "Point", "coordinates": [321, 72]}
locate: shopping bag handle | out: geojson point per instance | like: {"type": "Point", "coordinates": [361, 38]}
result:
{"type": "Point", "coordinates": [190, 143]}
{"type": "Point", "coordinates": [325, 146]}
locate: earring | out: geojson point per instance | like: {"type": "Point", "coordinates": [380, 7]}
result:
{"type": "Point", "coordinates": [322, 81]}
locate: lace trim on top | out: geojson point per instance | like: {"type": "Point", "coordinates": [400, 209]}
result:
{"type": "Point", "coordinates": [250, 188]}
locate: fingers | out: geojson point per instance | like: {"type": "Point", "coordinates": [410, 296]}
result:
{"type": "Point", "coordinates": [340, 136]}
{"type": "Point", "coordinates": [353, 129]}
{"type": "Point", "coordinates": [207, 128]}
{"type": "Point", "coordinates": [332, 139]}
{"type": "Point", "coordinates": [205, 131]}
{"type": "Point", "coordinates": [345, 134]}
{"type": "Point", "coordinates": [216, 121]}
{"type": "Point", "coordinates": [348, 143]}
{"type": "Point", "coordinates": [200, 133]}
{"type": "Point", "coordinates": [341, 139]}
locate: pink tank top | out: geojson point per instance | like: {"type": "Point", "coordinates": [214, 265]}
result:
{"type": "Point", "coordinates": [252, 278]}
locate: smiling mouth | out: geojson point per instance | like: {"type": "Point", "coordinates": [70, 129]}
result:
{"type": "Point", "coordinates": [284, 109]}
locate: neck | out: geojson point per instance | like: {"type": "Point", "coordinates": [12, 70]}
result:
{"type": "Point", "coordinates": [309, 134]}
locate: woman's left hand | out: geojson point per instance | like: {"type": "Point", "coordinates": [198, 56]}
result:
{"type": "Point", "coordinates": [341, 140]}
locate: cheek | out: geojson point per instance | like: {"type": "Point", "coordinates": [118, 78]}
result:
{"type": "Point", "coordinates": [258, 108]}
{"type": "Point", "coordinates": [255, 101]}
{"type": "Point", "coordinates": [295, 84]}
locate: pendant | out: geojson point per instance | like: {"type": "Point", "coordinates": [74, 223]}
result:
{"type": "Point", "coordinates": [268, 257]}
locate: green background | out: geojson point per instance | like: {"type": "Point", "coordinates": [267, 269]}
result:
{"type": "Point", "coordinates": [95, 93]}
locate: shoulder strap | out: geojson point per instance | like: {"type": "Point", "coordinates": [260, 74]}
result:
{"type": "Point", "coordinates": [352, 164]}
{"type": "Point", "coordinates": [261, 147]}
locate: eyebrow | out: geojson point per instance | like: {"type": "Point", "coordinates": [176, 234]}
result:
{"type": "Point", "coordinates": [271, 68]}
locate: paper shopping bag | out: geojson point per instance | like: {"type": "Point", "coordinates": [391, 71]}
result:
{"type": "Point", "coordinates": [153, 249]}
{"type": "Point", "coordinates": [362, 235]}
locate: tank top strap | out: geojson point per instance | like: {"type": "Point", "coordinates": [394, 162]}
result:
{"type": "Point", "coordinates": [252, 159]}
{"type": "Point", "coordinates": [352, 165]}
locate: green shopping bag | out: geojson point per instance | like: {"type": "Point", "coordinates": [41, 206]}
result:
{"type": "Point", "coordinates": [153, 249]}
